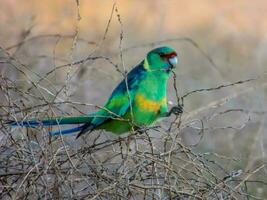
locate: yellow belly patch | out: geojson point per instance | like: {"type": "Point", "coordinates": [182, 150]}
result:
{"type": "Point", "coordinates": [148, 104]}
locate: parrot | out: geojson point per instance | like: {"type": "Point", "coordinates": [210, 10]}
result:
{"type": "Point", "coordinates": [139, 100]}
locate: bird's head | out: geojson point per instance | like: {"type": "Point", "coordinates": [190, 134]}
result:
{"type": "Point", "coordinates": [162, 59]}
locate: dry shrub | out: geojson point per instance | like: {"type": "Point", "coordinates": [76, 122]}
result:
{"type": "Point", "coordinates": [154, 164]}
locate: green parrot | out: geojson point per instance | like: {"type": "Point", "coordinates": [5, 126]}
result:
{"type": "Point", "coordinates": [138, 101]}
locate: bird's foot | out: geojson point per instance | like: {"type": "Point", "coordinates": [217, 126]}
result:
{"type": "Point", "coordinates": [177, 110]}
{"type": "Point", "coordinates": [140, 130]}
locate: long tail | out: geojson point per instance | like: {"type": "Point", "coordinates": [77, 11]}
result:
{"type": "Point", "coordinates": [85, 119]}
{"type": "Point", "coordinates": [66, 131]}
{"type": "Point", "coordinates": [52, 121]}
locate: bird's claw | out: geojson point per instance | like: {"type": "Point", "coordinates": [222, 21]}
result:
{"type": "Point", "coordinates": [177, 110]}
{"type": "Point", "coordinates": [140, 130]}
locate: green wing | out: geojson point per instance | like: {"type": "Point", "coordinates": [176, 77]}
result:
{"type": "Point", "coordinates": [120, 100]}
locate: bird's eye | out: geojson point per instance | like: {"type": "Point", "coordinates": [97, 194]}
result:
{"type": "Point", "coordinates": [161, 55]}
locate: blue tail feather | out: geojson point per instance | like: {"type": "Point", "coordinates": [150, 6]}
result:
{"type": "Point", "coordinates": [66, 131]}
{"type": "Point", "coordinates": [51, 121]}
{"type": "Point", "coordinates": [25, 123]}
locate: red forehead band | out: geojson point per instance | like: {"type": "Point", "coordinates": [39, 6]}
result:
{"type": "Point", "coordinates": [169, 55]}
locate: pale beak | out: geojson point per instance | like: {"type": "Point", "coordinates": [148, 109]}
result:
{"type": "Point", "coordinates": [173, 61]}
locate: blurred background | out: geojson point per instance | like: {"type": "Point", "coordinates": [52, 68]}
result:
{"type": "Point", "coordinates": [218, 43]}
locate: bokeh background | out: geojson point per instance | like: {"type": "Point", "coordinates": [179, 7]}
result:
{"type": "Point", "coordinates": [218, 43]}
